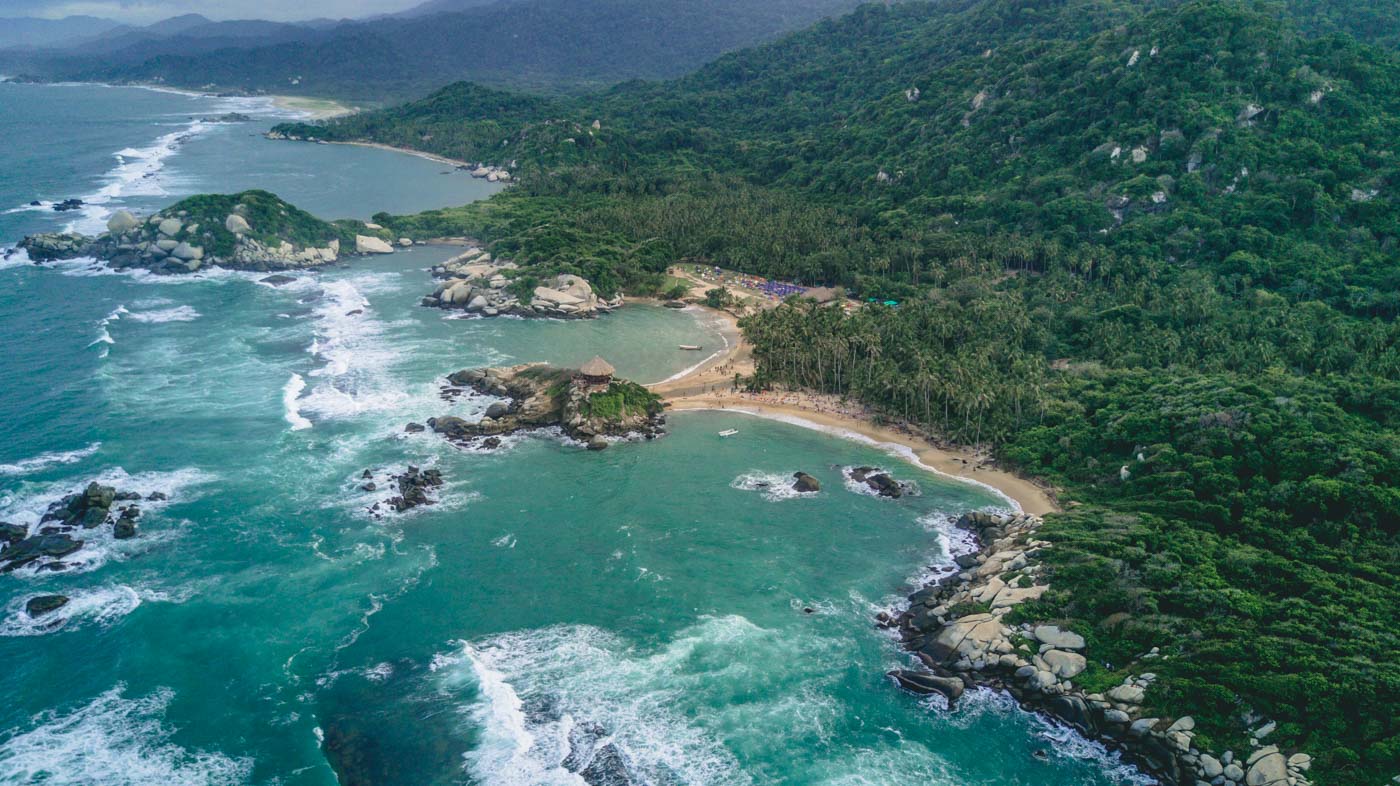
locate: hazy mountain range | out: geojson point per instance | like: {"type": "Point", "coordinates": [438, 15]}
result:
{"type": "Point", "coordinates": [552, 45]}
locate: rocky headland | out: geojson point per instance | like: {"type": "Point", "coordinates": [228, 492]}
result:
{"type": "Point", "coordinates": [477, 283]}
{"type": "Point", "coordinates": [588, 404]}
{"type": "Point", "coordinates": [252, 230]}
{"type": "Point", "coordinates": [959, 628]}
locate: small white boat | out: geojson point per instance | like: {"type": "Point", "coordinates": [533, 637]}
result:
{"type": "Point", "coordinates": [691, 347]}
{"type": "Point", "coordinates": [729, 432]}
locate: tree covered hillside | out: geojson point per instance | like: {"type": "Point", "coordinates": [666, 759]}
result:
{"type": "Point", "coordinates": [1149, 251]}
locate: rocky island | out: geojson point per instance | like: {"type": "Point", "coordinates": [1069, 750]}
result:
{"type": "Point", "coordinates": [588, 403]}
{"type": "Point", "coordinates": [252, 230]}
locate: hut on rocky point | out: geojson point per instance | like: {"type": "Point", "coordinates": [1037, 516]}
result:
{"type": "Point", "coordinates": [596, 373]}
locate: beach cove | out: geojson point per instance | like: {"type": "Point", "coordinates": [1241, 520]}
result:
{"type": "Point", "coordinates": [664, 609]}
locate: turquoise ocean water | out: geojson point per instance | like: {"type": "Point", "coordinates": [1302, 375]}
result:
{"type": "Point", "coordinates": [644, 605]}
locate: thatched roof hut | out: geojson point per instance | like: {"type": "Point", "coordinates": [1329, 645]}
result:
{"type": "Point", "coordinates": [595, 373]}
{"type": "Point", "coordinates": [597, 367]}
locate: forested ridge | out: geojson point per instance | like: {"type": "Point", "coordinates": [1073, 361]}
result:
{"type": "Point", "coordinates": [1149, 251]}
{"type": "Point", "coordinates": [543, 45]}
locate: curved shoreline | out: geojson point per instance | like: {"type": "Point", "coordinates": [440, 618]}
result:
{"type": "Point", "coordinates": [709, 386]}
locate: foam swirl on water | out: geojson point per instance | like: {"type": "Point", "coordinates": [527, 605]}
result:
{"type": "Point", "coordinates": [115, 741]}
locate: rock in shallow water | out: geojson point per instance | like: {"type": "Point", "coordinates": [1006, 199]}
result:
{"type": "Point", "coordinates": [926, 682]}
{"type": "Point", "coordinates": [40, 605]}
{"type": "Point", "coordinates": [806, 484]}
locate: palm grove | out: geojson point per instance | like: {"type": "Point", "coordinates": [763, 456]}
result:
{"type": "Point", "coordinates": [1147, 250]}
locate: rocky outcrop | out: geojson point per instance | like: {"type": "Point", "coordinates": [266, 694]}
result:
{"type": "Point", "coordinates": [880, 482]}
{"type": "Point", "coordinates": [542, 396]}
{"type": "Point", "coordinates": [957, 628]}
{"type": "Point", "coordinates": [53, 539]}
{"type": "Point", "coordinates": [476, 283]}
{"type": "Point", "coordinates": [247, 231]}
{"type": "Point", "coordinates": [805, 484]}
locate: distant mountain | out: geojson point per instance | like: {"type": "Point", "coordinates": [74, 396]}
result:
{"type": "Point", "coordinates": [549, 45]}
{"type": "Point", "coordinates": [445, 7]}
{"type": "Point", "coordinates": [28, 32]}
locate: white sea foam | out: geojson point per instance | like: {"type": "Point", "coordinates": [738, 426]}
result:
{"type": "Point", "coordinates": [176, 314]}
{"type": "Point", "coordinates": [115, 741]}
{"type": "Point", "coordinates": [775, 486]}
{"type": "Point", "coordinates": [100, 606]}
{"type": "Point", "coordinates": [290, 408]}
{"type": "Point", "coordinates": [138, 172]}
{"type": "Point", "coordinates": [28, 505]}
{"type": "Point", "coordinates": [1065, 742]}
{"type": "Point", "coordinates": [532, 691]}
{"type": "Point", "coordinates": [909, 487]}
{"type": "Point", "coordinates": [353, 378]}
{"type": "Point", "coordinates": [45, 460]}
{"type": "Point", "coordinates": [14, 257]}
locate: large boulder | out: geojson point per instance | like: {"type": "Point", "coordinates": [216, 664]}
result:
{"type": "Point", "coordinates": [806, 484]}
{"type": "Point", "coordinates": [968, 637]}
{"type": "Point", "coordinates": [122, 222]}
{"type": "Point", "coordinates": [1267, 767]}
{"type": "Point", "coordinates": [1065, 665]}
{"type": "Point", "coordinates": [364, 244]}
{"type": "Point", "coordinates": [1059, 639]}
{"type": "Point", "coordinates": [170, 227]}
{"type": "Point", "coordinates": [187, 252]}
{"type": "Point", "coordinates": [556, 297]}
{"type": "Point", "coordinates": [237, 224]}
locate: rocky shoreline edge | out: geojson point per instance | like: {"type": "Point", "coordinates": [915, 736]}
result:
{"type": "Point", "coordinates": [955, 626]}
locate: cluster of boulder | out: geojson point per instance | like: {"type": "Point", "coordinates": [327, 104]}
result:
{"type": "Point", "coordinates": [171, 242]}
{"type": "Point", "coordinates": [53, 539]}
{"type": "Point", "coordinates": [412, 485]}
{"type": "Point", "coordinates": [539, 396]}
{"type": "Point", "coordinates": [880, 482]}
{"type": "Point", "coordinates": [956, 627]}
{"type": "Point", "coordinates": [478, 284]}
{"type": "Point", "coordinates": [494, 174]}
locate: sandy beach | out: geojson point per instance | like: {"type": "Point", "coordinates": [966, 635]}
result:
{"type": "Point", "coordinates": [430, 156]}
{"type": "Point", "coordinates": [312, 108]}
{"type": "Point", "coordinates": [710, 386]}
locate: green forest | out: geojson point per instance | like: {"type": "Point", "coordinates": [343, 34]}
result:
{"type": "Point", "coordinates": [1147, 251]}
